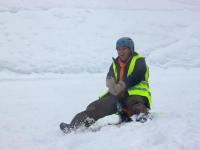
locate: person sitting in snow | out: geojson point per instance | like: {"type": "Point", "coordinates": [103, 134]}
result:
{"type": "Point", "coordinates": [128, 90]}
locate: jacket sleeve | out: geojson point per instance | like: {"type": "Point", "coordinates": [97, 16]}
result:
{"type": "Point", "coordinates": [110, 73]}
{"type": "Point", "coordinates": [138, 74]}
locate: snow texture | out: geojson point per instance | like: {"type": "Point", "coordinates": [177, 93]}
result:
{"type": "Point", "coordinates": [52, 50]}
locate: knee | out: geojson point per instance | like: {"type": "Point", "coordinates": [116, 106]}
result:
{"type": "Point", "coordinates": [136, 105]}
{"type": "Point", "coordinates": [138, 108]}
{"type": "Point", "coordinates": [133, 100]}
{"type": "Point", "coordinates": [91, 106]}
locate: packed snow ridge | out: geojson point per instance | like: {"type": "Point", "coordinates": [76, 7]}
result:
{"type": "Point", "coordinates": [79, 37]}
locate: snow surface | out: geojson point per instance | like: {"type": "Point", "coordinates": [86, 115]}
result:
{"type": "Point", "coordinates": [52, 50]}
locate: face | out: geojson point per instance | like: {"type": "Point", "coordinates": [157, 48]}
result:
{"type": "Point", "coordinates": [123, 53]}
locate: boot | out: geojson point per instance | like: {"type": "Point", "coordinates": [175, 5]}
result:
{"type": "Point", "coordinates": [66, 128]}
{"type": "Point", "coordinates": [143, 117]}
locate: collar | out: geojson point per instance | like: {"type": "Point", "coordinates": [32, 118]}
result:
{"type": "Point", "coordinates": [121, 63]}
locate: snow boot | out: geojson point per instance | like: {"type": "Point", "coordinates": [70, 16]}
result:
{"type": "Point", "coordinates": [143, 117]}
{"type": "Point", "coordinates": [66, 128]}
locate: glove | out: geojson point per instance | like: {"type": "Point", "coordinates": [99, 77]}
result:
{"type": "Point", "coordinates": [115, 88]}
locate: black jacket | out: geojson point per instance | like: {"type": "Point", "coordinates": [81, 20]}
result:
{"type": "Point", "coordinates": [136, 77]}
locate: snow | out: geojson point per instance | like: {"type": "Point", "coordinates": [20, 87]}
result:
{"type": "Point", "coordinates": [52, 50]}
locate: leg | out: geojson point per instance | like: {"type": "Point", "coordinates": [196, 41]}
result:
{"type": "Point", "coordinates": [95, 111]}
{"type": "Point", "coordinates": [136, 104]}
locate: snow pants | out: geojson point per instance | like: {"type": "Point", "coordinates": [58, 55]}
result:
{"type": "Point", "coordinates": [107, 106]}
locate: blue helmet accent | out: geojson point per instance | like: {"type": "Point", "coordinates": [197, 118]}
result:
{"type": "Point", "coordinates": [125, 42]}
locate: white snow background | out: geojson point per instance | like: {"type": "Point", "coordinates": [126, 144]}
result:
{"type": "Point", "coordinates": [54, 56]}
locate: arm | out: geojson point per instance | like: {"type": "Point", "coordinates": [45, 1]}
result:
{"type": "Point", "coordinates": [115, 88]}
{"type": "Point", "coordinates": [110, 73]}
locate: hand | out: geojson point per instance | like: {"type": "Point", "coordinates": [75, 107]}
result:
{"type": "Point", "coordinates": [115, 88]}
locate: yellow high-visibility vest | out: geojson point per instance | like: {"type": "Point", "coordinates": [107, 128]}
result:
{"type": "Point", "coordinates": [142, 88]}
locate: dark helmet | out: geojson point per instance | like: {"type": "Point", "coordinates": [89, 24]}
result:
{"type": "Point", "coordinates": [125, 42]}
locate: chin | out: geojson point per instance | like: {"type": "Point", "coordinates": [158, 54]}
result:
{"type": "Point", "coordinates": [122, 59]}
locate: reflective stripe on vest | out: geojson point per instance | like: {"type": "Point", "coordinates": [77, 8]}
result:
{"type": "Point", "coordinates": [141, 88]}
{"type": "Point", "coordinates": [132, 64]}
{"type": "Point", "coordinates": [115, 70]}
